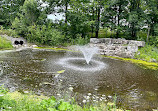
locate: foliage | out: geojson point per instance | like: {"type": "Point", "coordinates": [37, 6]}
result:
{"type": "Point", "coordinates": [104, 33]}
{"type": "Point", "coordinates": [5, 44]}
{"type": "Point", "coordinates": [44, 35]}
{"type": "Point", "coordinates": [15, 101]}
{"type": "Point", "coordinates": [78, 24]}
{"type": "Point", "coordinates": [141, 35]}
{"type": "Point", "coordinates": [30, 14]}
{"type": "Point", "coordinates": [8, 32]}
{"type": "Point", "coordinates": [9, 10]}
{"type": "Point", "coordinates": [113, 15]}
{"type": "Point", "coordinates": [130, 19]}
{"type": "Point", "coordinates": [147, 53]}
{"type": "Point", "coordinates": [153, 40]}
{"type": "Point", "coordinates": [79, 40]}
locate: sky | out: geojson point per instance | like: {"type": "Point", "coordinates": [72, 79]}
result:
{"type": "Point", "coordinates": [55, 16]}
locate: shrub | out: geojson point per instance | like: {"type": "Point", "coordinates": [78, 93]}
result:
{"type": "Point", "coordinates": [8, 32]}
{"type": "Point", "coordinates": [80, 40]}
{"type": "Point", "coordinates": [153, 40]}
{"type": "Point", "coordinates": [44, 35]}
{"type": "Point", "coordinates": [141, 35]}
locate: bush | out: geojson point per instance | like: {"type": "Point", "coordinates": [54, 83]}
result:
{"type": "Point", "coordinates": [8, 32]}
{"type": "Point", "coordinates": [44, 35]}
{"type": "Point", "coordinates": [141, 35]}
{"type": "Point", "coordinates": [153, 40]}
{"type": "Point", "coordinates": [79, 40]}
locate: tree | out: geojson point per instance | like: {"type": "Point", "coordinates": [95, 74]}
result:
{"type": "Point", "coordinates": [99, 7]}
{"type": "Point", "coordinates": [30, 14]}
{"type": "Point", "coordinates": [136, 17]}
{"type": "Point", "coordinates": [78, 20]}
{"type": "Point", "coordinates": [151, 15]}
{"type": "Point", "coordinates": [9, 10]}
{"type": "Point", "coordinates": [115, 15]}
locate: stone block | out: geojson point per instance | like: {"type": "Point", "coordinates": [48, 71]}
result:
{"type": "Point", "coordinates": [107, 40]}
{"type": "Point", "coordinates": [117, 41]}
{"type": "Point", "coordinates": [94, 40]}
{"type": "Point", "coordinates": [137, 43]}
{"type": "Point", "coordinates": [132, 48]}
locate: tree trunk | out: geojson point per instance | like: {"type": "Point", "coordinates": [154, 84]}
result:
{"type": "Point", "coordinates": [92, 24]}
{"type": "Point", "coordinates": [133, 35]}
{"type": "Point", "coordinates": [147, 39]}
{"type": "Point", "coordinates": [118, 20]}
{"type": "Point", "coordinates": [98, 23]}
{"type": "Point", "coordinates": [66, 6]}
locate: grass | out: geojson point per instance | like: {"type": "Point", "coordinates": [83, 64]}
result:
{"type": "Point", "coordinates": [147, 53]}
{"type": "Point", "coordinates": [16, 101]}
{"type": "Point", "coordinates": [5, 44]}
{"type": "Point", "coordinates": [141, 63]}
{"type": "Point", "coordinates": [52, 48]}
{"type": "Point", "coordinates": [103, 33]}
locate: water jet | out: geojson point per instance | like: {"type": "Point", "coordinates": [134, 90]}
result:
{"type": "Point", "coordinates": [85, 63]}
{"type": "Point", "coordinates": [88, 52]}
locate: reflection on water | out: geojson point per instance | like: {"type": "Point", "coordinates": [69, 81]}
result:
{"type": "Point", "coordinates": [136, 88]}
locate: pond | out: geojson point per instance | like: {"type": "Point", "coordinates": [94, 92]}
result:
{"type": "Point", "coordinates": [104, 78]}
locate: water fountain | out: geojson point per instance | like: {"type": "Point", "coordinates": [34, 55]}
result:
{"type": "Point", "coordinates": [88, 52]}
{"type": "Point", "coordinates": [84, 63]}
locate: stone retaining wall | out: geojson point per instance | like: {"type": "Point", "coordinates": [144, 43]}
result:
{"type": "Point", "coordinates": [116, 47]}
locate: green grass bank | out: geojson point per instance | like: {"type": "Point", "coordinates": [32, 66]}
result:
{"type": "Point", "coordinates": [16, 101]}
{"type": "Point", "coordinates": [5, 44]}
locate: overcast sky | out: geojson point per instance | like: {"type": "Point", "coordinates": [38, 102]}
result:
{"type": "Point", "coordinates": [55, 16]}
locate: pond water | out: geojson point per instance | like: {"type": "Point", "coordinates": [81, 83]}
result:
{"type": "Point", "coordinates": [36, 70]}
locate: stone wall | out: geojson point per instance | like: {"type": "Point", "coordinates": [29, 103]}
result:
{"type": "Point", "coordinates": [116, 47]}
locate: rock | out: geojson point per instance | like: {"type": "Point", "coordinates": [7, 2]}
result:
{"type": "Point", "coordinates": [101, 46]}
{"type": "Point", "coordinates": [94, 40]}
{"type": "Point", "coordinates": [107, 40]}
{"type": "Point", "coordinates": [117, 47]}
{"type": "Point", "coordinates": [137, 43]}
{"type": "Point", "coordinates": [111, 47]}
{"type": "Point", "coordinates": [117, 41]}
{"type": "Point", "coordinates": [125, 41]}
{"type": "Point", "coordinates": [154, 60]}
{"type": "Point", "coordinates": [132, 48]}
{"type": "Point", "coordinates": [34, 46]}
{"type": "Point", "coordinates": [26, 92]}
